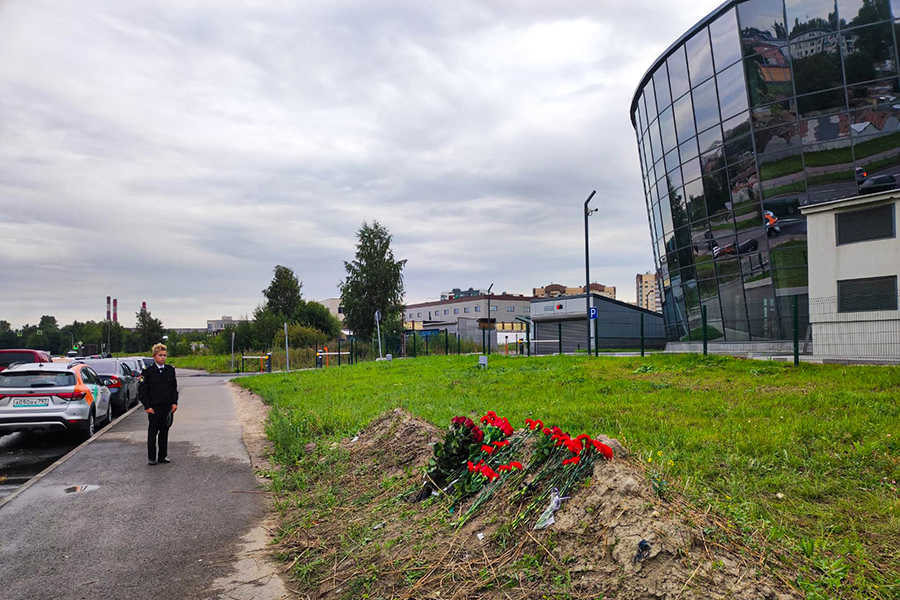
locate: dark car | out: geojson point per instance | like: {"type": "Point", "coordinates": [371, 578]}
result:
{"type": "Point", "coordinates": [8, 357]}
{"type": "Point", "coordinates": [148, 362]}
{"type": "Point", "coordinates": [879, 183]}
{"type": "Point", "coordinates": [117, 375]}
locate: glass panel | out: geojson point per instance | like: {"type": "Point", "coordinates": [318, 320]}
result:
{"type": "Point", "coordinates": [773, 114]}
{"type": "Point", "coordinates": [778, 139]}
{"type": "Point", "coordinates": [734, 312]}
{"type": "Point", "coordinates": [829, 171]}
{"type": "Point", "coordinates": [665, 211]}
{"type": "Point", "coordinates": [661, 86]}
{"type": "Point", "coordinates": [683, 240]}
{"type": "Point", "coordinates": [726, 42]}
{"type": "Point", "coordinates": [868, 53]}
{"type": "Point", "coordinates": [699, 57]}
{"type": "Point", "coordinates": [636, 115]}
{"type": "Point", "coordinates": [826, 129]}
{"type": "Point", "coordinates": [678, 73]}
{"type": "Point", "coordinates": [704, 262]}
{"type": "Point", "coordinates": [684, 118]}
{"type": "Point", "coordinates": [712, 160]}
{"type": "Point", "coordinates": [817, 65]}
{"type": "Point", "coordinates": [715, 189]}
{"type": "Point", "coordinates": [854, 13]}
{"type": "Point", "coordinates": [667, 127]}
{"type": "Point", "coordinates": [691, 169]}
{"type": "Point", "coordinates": [672, 162]}
{"type": "Point", "coordinates": [769, 76]}
{"type": "Point", "coordinates": [710, 139]}
{"type": "Point", "coordinates": [761, 308]}
{"type": "Point", "coordinates": [738, 149]}
{"type": "Point", "coordinates": [762, 25]}
{"type": "Point", "coordinates": [706, 105]}
{"type": "Point", "coordinates": [791, 278]}
{"type": "Point", "coordinates": [657, 223]}
{"type": "Point", "coordinates": [782, 176]}
{"type": "Point", "coordinates": [823, 103]}
{"type": "Point", "coordinates": [878, 153]}
{"type": "Point", "coordinates": [655, 143]}
{"type": "Point", "coordinates": [732, 91]}
{"type": "Point", "coordinates": [808, 18]}
{"type": "Point", "coordinates": [679, 214]}
{"type": "Point", "coordinates": [650, 94]}
{"type": "Point", "coordinates": [688, 150]}
{"type": "Point", "coordinates": [673, 180]}
{"type": "Point", "coordinates": [693, 192]}
{"type": "Point", "coordinates": [744, 186]}
{"type": "Point", "coordinates": [642, 105]}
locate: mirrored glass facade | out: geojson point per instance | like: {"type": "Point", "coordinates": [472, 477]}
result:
{"type": "Point", "coordinates": [763, 107]}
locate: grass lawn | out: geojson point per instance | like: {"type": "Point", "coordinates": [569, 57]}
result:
{"type": "Point", "coordinates": [803, 461]}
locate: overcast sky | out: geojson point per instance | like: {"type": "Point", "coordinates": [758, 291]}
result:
{"type": "Point", "coordinates": [174, 152]}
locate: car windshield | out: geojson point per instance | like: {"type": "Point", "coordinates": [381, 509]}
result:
{"type": "Point", "coordinates": [7, 358]}
{"type": "Point", "coordinates": [106, 366]}
{"type": "Point", "coordinates": [31, 379]}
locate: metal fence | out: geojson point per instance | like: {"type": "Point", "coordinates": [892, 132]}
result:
{"type": "Point", "coordinates": [866, 329]}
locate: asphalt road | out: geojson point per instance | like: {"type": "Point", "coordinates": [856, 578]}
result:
{"type": "Point", "coordinates": [137, 531]}
{"type": "Point", "coordinates": [24, 455]}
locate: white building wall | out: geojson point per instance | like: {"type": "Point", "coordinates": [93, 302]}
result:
{"type": "Point", "coordinates": [865, 335]}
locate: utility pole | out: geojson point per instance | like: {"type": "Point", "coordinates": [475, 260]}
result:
{"type": "Point", "coordinates": [490, 287]}
{"type": "Point", "coordinates": [587, 270]}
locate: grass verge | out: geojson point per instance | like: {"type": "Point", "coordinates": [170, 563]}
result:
{"type": "Point", "coordinates": [804, 461]}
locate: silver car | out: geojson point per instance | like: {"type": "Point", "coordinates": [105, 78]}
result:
{"type": "Point", "coordinates": [53, 396]}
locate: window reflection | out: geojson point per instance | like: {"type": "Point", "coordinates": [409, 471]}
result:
{"type": "Point", "coordinates": [738, 148]}
{"type": "Point", "coordinates": [817, 64]}
{"type": "Point", "coordinates": [829, 171]}
{"type": "Point", "coordinates": [825, 129]}
{"type": "Point", "coordinates": [744, 185]}
{"type": "Point", "coordinates": [667, 128]}
{"type": "Point", "coordinates": [778, 139]}
{"type": "Point", "coordinates": [732, 91]}
{"type": "Point", "coordinates": [642, 106]}
{"type": "Point", "coordinates": [678, 73]}
{"type": "Point", "coordinates": [655, 143]}
{"type": "Point", "coordinates": [854, 13]}
{"type": "Point", "coordinates": [688, 150]}
{"type": "Point", "coordinates": [710, 139]}
{"type": "Point", "coordinates": [715, 189]}
{"type": "Point", "coordinates": [691, 169]}
{"type": "Point", "coordinates": [684, 118]}
{"type": "Point", "coordinates": [726, 43]}
{"type": "Point", "coordinates": [661, 87]}
{"type": "Point", "coordinates": [873, 94]}
{"type": "Point", "coordinates": [665, 211]}
{"type": "Point", "coordinates": [877, 153]}
{"type": "Point", "coordinates": [808, 18]}
{"type": "Point", "coordinates": [706, 105]}
{"type": "Point", "coordinates": [699, 57]}
{"type": "Point", "coordinates": [762, 25]}
{"type": "Point", "coordinates": [868, 53]}
{"type": "Point", "coordinates": [769, 76]}
{"type": "Point", "coordinates": [672, 162]}
{"type": "Point", "coordinates": [712, 160]}
{"type": "Point", "coordinates": [780, 113]}
{"type": "Point", "coordinates": [823, 103]}
{"type": "Point", "coordinates": [652, 111]}
{"type": "Point", "coordinates": [696, 205]}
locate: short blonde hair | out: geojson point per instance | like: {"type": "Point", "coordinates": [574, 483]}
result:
{"type": "Point", "coordinates": [157, 348]}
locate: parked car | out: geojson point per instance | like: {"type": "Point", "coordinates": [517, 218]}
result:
{"type": "Point", "coordinates": [860, 175]}
{"type": "Point", "coordinates": [53, 396]}
{"type": "Point", "coordinates": [137, 365]}
{"type": "Point", "coordinates": [120, 379]}
{"type": "Point", "coordinates": [148, 362]}
{"type": "Point", "coordinates": [879, 183]}
{"type": "Point", "coordinates": [11, 356]}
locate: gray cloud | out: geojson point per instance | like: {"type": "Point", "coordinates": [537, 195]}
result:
{"type": "Point", "coordinates": [175, 152]}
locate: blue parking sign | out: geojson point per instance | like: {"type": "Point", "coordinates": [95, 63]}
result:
{"type": "Point", "coordinates": [593, 312]}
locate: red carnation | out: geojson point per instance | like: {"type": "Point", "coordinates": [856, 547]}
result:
{"type": "Point", "coordinates": [501, 443]}
{"type": "Point", "coordinates": [547, 431]}
{"type": "Point", "coordinates": [487, 449]}
{"type": "Point", "coordinates": [516, 464]}
{"type": "Point", "coordinates": [573, 460]}
{"type": "Point", "coordinates": [471, 466]}
{"type": "Point", "coordinates": [605, 450]}
{"type": "Point", "coordinates": [503, 468]}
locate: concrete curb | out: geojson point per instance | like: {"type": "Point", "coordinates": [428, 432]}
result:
{"type": "Point", "coordinates": [63, 459]}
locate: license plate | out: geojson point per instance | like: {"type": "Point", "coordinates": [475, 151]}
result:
{"type": "Point", "coordinates": [31, 402]}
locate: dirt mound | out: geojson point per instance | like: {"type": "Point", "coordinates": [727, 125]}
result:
{"type": "Point", "coordinates": [357, 535]}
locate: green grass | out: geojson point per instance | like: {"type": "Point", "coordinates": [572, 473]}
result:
{"type": "Point", "coordinates": [780, 168]}
{"type": "Point", "coordinates": [738, 434]}
{"type": "Point", "coordinates": [798, 187]}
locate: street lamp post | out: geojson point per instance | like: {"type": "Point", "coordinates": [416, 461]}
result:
{"type": "Point", "coordinates": [587, 270]}
{"type": "Point", "coordinates": [489, 318]}
{"type": "Point", "coordinates": [73, 338]}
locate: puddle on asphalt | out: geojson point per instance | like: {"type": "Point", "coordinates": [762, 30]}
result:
{"type": "Point", "coordinates": [74, 489]}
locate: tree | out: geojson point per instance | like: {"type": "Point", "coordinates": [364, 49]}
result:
{"type": "Point", "coordinates": [148, 330]}
{"type": "Point", "coordinates": [283, 294]}
{"type": "Point", "coordinates": [313, 314]}
{"type": "Point", "coordinates": [374, 282]}
{"type": "Point", "coordinates": [265, 325]}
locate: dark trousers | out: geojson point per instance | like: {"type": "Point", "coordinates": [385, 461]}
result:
{"type": "Point", "coordinates": [158, 430]}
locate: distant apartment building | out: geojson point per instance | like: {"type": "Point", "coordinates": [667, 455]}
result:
{"type": "Point", "coordinates": [458, 293]}
{"type": "Point", "coordinates": [217, 326]}
{"type": "Point", "coordinates": [468, 316]}
{"type": "Point", "coordinates": [647, 292]}
{"type": "Point", "coordinates": [555, 290]}
{"type": "Point", "coordinates": [334, 307]}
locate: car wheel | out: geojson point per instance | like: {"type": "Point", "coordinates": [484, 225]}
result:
{"type": "Point", "coordinates": [88, 432]}
{"type": "Point", "coordinates": [108, 413]}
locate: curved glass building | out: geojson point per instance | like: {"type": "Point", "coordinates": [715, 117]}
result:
{"type": "Point", "coordinates": [761, 108]}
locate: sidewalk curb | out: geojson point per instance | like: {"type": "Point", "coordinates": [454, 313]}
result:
{"type": "Point", "coordinates": [66, 457]}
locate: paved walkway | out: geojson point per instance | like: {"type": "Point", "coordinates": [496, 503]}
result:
{"type": "Point", "coordinates": [138, 531]}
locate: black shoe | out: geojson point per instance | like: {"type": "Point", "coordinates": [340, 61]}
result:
{"type": "Point", "coordinates": [151, 462]}
{"type": "Point", "coordinates": [164, 460]}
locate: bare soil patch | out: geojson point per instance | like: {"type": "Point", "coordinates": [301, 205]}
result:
{"type": "Point", "coordinates": [355, 534]}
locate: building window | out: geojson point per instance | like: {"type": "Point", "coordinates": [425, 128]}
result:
{"type": "Point", "coordinates": [419, 315]}
{"type": "Point", "coordinates": [494, 308]}
{"type": "Point", "coordinates": [870, 293]}
{"type": "Point", "coordinates": [477, 309]}
{"type": "Point", "coordinates": [526, 309]}
{"type": "Point", "coordinates": [446, 311]}
{"type": "Point", "coordinates": [455, 311]}
{"type": "Point", "coordinates": [510, 309]}
{"type": "Point", "coordinates": [466, 309]}
{"type": "Point", "coordinates": [340, 310]}
{"type": "Point", "coordinates": [875, 223]}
